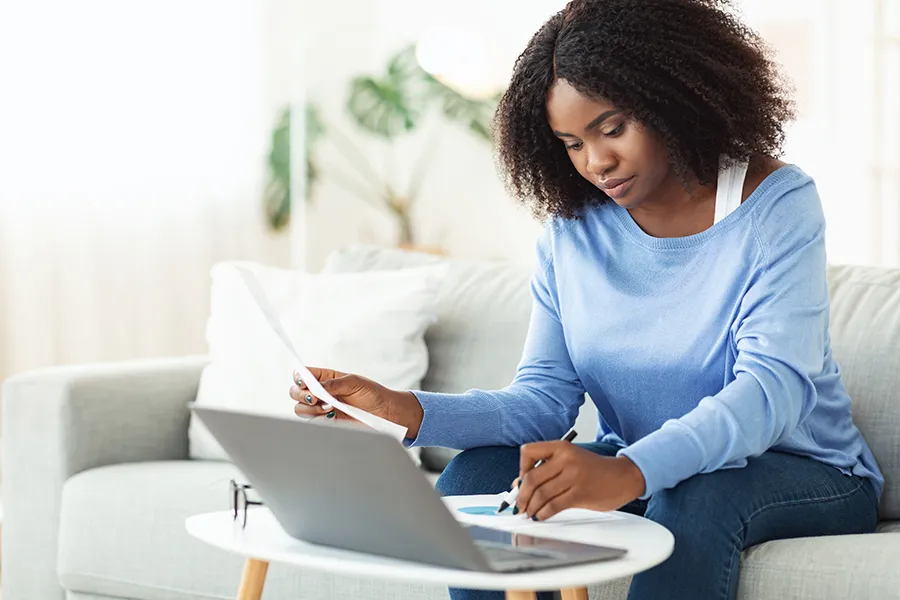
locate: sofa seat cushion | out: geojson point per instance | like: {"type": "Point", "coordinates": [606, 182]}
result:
{"type": "Point", "coordinates": [862, 567]}
{"type": "Point", "coordinates": [824, 568]}
{"type": "Point", "coordinates": [122, 535]}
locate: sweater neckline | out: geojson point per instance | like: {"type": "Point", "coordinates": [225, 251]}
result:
{"type": "Point", "coordinates": [643, 238]}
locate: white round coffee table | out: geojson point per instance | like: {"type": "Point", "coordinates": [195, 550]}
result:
{"type": "Point", "coordinates": [264, 541]}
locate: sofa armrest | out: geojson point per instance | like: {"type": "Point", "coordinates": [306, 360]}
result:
{"type": "Point", "coordinates": [60, 421]}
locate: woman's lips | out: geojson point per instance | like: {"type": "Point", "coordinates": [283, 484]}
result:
{"type": "Point", "coordinates": [616, 188]}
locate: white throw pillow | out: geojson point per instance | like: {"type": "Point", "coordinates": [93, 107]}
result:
{"type": "Point", "coordinates": [371, 324]}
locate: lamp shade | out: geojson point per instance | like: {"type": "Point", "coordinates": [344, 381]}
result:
{"type": "Point", "coordinates": [461, 58]}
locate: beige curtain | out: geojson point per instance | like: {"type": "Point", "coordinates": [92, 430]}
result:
{"type": "Point", "coordinates": [132, 159]}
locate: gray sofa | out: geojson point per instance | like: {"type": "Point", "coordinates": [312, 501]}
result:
{"type": "Point", "coordinates": [97, 481]}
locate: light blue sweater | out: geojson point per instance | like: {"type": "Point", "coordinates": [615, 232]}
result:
{"type": "Point", "coordinates": [698, 351]}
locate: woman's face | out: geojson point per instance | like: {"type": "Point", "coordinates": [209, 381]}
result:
{"type": "Point", "coordinates": [616, 154]}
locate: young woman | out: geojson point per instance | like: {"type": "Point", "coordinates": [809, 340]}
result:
{"type": "Point", "coordinates": [680, 282]}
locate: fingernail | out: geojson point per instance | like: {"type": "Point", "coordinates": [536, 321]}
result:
{"type": "Point", "coordinates": [330, 415]}
{"type": "Point", "coordinates": [299, 381]}
{"type": "Point", "coordinates": [326, 407]}
{"type": "Point", "coordinates": [308, 399]}
{"type": "Point", "coordinates": [534, 517]}
{"type": "Point", "coordinates": [516, 510]}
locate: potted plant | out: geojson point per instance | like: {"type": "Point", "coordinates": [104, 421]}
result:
{"type": "Point", "coordinates": [387, 107]}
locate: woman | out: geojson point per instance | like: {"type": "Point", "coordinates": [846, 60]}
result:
{"type": "Point", "coordinates": [680, 283]}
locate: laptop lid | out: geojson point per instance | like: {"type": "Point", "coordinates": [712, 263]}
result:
{"type": "Point", "coordinates": [343, 485]}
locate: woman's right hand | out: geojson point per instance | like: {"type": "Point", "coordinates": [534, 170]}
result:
{"type": "Point", "coordinates": [398, 407]}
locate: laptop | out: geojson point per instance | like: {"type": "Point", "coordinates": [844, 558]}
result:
{"type": "Point", "coordinates": [347, 486]}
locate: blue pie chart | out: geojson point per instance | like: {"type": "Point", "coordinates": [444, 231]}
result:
{"type": "Point", "coordinates": [479, 510]}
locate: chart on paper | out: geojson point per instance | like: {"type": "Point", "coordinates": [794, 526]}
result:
{"type": "Point", "coordinates": [482, 510]}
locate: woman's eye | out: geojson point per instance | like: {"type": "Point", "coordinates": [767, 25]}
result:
{"type": "Point", "coordinates": [575, 146]}
{"type": "Point", "coordinates": [616, 131]}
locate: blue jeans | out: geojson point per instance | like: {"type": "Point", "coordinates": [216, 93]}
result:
{"type": "Point", "coordinates": [713, 516]}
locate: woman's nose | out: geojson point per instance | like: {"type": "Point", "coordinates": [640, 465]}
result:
{"type": "Point", "coordinates": [599, 162]}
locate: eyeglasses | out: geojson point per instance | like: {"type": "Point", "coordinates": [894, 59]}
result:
{"type": "Point", "coordinates": [240, 502]}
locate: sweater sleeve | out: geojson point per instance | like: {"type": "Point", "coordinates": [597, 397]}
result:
{"type": "Point", "coordinates": [543, 399]}
{"type": "Point", "coordinates": [779, 336]}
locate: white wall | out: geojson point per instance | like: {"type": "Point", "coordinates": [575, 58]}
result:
{"type": "Point", "coordinates": [847, 135]}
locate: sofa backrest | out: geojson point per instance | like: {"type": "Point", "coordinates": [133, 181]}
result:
{"type": "Point", "coordinates": [865, 338]}
{"type": "Point", "coordinates": [484, 309]}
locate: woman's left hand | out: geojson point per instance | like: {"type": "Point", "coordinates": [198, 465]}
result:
{"type": "Point", "coordinates": [572, 477]}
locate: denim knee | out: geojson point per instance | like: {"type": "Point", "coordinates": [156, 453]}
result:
{"type": "Point", "coordinates": [488, 470]}
{"type": "Point", "coordinates": [696, 512]}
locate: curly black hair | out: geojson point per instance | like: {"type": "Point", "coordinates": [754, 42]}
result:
{"type": "Point", "coordinates": [688, 70]}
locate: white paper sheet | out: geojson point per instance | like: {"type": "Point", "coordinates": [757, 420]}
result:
{"type": "Point", "coordinates": [256, 291]}
{"type": "Point", "coordinates": [509, 522]}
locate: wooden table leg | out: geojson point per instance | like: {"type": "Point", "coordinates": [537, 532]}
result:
{"type": "Point", "coordinates": [575, 594]}
{"type": "Point", "coordinates": [520, 595]}
{"type": "Point", "coordinates": [253, 579]}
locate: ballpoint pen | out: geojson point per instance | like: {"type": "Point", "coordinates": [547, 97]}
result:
{"type": "Point", "coordinates": [514, 493]}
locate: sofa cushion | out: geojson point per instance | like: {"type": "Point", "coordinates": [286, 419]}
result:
{"type": "Point", "coordinates": [820, 568]}
{"type": "Point", "coordinates": [483, 310]}
{"type": "Point", "coordinates": [865, 337]}
{"type": "Point", "coordinates": [366, 323]}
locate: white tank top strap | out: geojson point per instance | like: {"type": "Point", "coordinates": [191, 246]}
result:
{"type": "Point", "coordinates": [729, 190]}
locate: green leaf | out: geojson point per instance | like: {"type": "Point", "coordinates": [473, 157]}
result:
{"type": "Point", "coordinates": [386, 105]}
{"type": "Point", "coordinates": [474, 114]}
{"type": "Point", "coordinates": [381, 107]}
{"type": "Point", "coordinates": [393, 103]}
{"type": "Point", "coordinates": [277, 196]}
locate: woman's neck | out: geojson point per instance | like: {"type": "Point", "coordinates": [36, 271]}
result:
{"type": "Point", "coordinates": [677, 210]}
